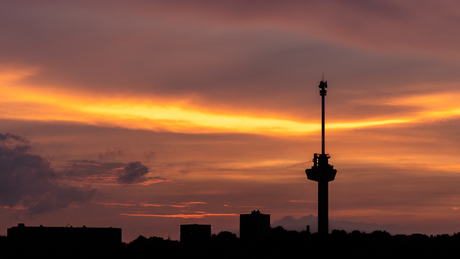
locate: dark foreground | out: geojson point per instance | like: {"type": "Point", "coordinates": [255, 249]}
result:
{"type": "Point", "coordinates": [278, 244]}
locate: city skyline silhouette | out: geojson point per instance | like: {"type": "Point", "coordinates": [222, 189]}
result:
{"type": "Point", "coordinates": [149, 115]}
{"type": "Point", "coordinates": [257, 240]}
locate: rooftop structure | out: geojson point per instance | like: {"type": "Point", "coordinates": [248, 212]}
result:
{"type": "Point", "coordinates": [254, 226]}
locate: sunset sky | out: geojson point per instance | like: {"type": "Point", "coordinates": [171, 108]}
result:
{"type": "Point", "coordinates": [145, 115]}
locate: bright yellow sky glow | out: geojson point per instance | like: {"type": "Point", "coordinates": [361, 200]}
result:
{"type": "Point", "coordinates": [141, 115]}
{"type": "Point", "coordinates": [29, 103]}
{"type": "Point", "coordinates": [439, 105]}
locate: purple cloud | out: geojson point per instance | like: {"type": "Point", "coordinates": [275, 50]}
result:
{"type": "Point", "coordinates": [134, 173]}
{"type": "Point", "coordinates": [28, 181]}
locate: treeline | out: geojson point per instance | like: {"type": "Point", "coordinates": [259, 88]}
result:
{"type": "Point", "coordinates": [280, 243]}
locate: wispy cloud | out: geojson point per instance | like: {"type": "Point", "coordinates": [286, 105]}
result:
{"type": "Point", "coordinates": [109, 173]}
{"type": "Point", "coordinates": [110, 154]}
{"type": "Point", "coordinates": [141, 204]}
{"type": "Point", "coordinates": [185, 216]}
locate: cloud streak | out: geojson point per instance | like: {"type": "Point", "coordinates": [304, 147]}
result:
{"type": "Point", "coordinates": [184, 216]}
{"type": "Point", "coordinates": [176, 205]}
{"type": "Point", "coordinates": [109, 173]}
{"type": "Point", "coordinates": [411, 26]}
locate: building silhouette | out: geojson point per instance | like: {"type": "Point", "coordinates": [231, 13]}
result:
{"type": "Point", "coordinates": [254, 226]}
{"type": "Point", "coordinates": [64, 235]}
{"type": "Point", "coordinates": [195, 233]}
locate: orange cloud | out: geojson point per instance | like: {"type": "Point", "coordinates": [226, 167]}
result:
{"type": "Point", "coordinates": [12, 74]}
{"type": "Point", "coordinates": [182, 205]}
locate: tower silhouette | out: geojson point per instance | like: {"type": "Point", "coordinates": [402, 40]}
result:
{"type": "Point", "coordinates": [322, 171]}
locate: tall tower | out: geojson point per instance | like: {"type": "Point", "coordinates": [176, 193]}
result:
{"type": "Point", "coordinates": [322, 172]}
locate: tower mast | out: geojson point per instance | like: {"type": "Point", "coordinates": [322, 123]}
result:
{"type": "Point", "coordinates": [321, 171]}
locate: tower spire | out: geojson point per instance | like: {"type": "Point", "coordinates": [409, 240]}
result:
{"type": "Point", "coordinates": [321, 171]}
